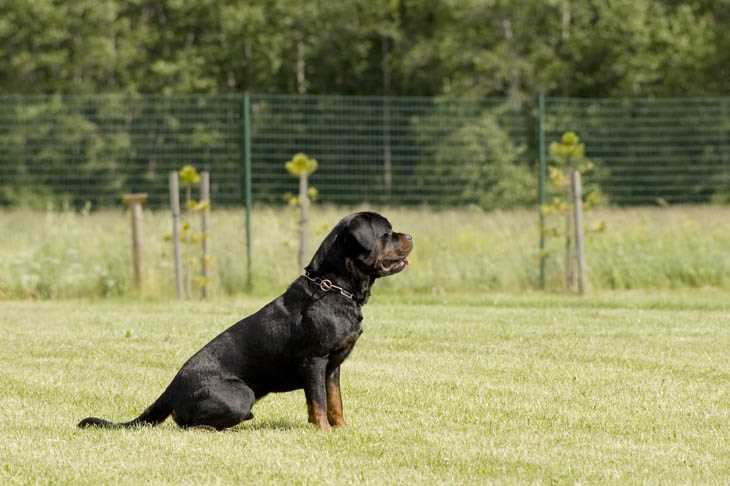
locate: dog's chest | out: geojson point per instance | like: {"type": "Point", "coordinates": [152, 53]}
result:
{"type": "Point", "coordinates": [334, 328]}
{"type": "Point", "coordinates": [343, 330]}
{"type": "Point", "coordinates": [347, 336]}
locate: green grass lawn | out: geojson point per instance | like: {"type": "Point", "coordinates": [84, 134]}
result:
{"type": "Point", "coordinates": [621, 387]}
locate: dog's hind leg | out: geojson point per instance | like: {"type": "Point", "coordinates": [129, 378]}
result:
{"type": "Point", "coordinates": [219, 404]}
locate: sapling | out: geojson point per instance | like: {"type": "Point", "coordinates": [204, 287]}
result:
{"type": "Point", "coordinates": [302, 167]}
{"type": "Point", "coordinates": [189, 178]}
{"type": "Point", "coordinates": [566, 157]}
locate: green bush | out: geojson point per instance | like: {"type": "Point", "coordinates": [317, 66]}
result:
{"type": "Point", "coordinates": [481, 158]}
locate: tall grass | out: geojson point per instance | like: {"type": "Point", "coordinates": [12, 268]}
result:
{"type": "Point", "coordinates": [67, 254]}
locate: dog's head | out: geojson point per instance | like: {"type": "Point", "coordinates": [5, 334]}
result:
{"type": "Point", "coordinates": [363, 243]}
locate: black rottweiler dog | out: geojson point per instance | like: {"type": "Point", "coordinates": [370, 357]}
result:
{"type": "Point", "coordinates": [297, 341]}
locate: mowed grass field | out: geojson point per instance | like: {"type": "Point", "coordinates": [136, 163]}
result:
{"type": "Point", "coordinates": [620, 387]}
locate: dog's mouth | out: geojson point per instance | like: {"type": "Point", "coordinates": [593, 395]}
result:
{"type": "Point", "coordinates": [395, 257]}
{"type": "Point", "coordinates": [390, 266]}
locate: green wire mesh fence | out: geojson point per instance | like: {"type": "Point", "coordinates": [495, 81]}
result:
{"type": "Point", "coordinates": [387, 150]}
{"type": "Point", "coordinates": [651, 151]}
{"type": "Point", "coordinates": [381, 150]}
{"type": "Point", "coordinates": [93, 148]}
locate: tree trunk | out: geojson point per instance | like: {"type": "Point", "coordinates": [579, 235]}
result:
{"type": "Point", "coordinates": [515, 95]}
{"type": "Point", "coordinates": [565, 20]}
{"type": "Point", "coordinates": [301, 67]}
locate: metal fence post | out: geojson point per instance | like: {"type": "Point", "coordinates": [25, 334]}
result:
{"type": "Point", "coordinates": [135, 201]}
{"type": "Point", "coordinates": [247, 183]}
{"type": "Point", "coordinates": [542, 157]}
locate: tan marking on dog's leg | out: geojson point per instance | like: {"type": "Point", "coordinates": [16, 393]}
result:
{"type": "Point", "coordinates": [317, 416]}
{"type": "Point", "coordinates": [334, 405]}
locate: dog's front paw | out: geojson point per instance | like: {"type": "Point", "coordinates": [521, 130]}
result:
{"type": "Point", "coordinates": [322, 425]}
{"type": "Point", "coordinates": [337, 421]}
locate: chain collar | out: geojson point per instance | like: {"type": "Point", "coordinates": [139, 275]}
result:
{"type": "Point", "coordinates": [326, 285]}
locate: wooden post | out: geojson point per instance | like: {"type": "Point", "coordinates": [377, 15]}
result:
{"type": "Point", "coordinates": [304, 219]}
{"type": "Point", "coordinates": [187, 259]}
{"type": "Point", "coordinates": [204, 215]}
{"type": "Point", "coordinates": [248, 197]}
{"type": "Point", "coordinates": [134, 201]}
{"type": "Point", "coordinates": [175, 207]}
{"type": "Point", "coordinates": [569, 254]}
{"type": "Point", "coordinates": [576, 185]}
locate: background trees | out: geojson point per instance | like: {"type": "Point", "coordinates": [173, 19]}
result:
{"type": "Point", "coordinates": [477, 65]}
{"type": "Point", "coordinates": [394, 47]}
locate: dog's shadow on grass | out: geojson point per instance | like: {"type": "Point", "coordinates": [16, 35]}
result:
{"type": "Point", "coordinates": [282, 425]}
{"type": "Point", "coordinates": [251, 425]}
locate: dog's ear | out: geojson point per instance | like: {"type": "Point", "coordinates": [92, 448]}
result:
{"type": "Point", "coordinates": [367, 229]}
{"type": "Point", "coordinates": [353, 237]}
{"type": "Point", "coordinates": [357, 237]}
{"type": "Point", "coordinates": [325, 249]}
{"type": "Point", "coordinates": [333, 248]}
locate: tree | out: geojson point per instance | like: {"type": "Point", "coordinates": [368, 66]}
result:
{"type": "Point", "coordinates": [481, 158]}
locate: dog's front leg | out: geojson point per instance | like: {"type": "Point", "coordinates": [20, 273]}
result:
{"type": "Point", "coordinates": [334, 399]}
{"type": "Point", "coordinates": [314, 371]}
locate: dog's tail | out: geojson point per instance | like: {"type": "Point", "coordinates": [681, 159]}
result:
{"type": "Point", "coordinates": [153, 415]}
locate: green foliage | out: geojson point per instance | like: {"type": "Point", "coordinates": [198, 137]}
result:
{"type": "Point", "coordinates": [300, 165]}
{"type": "Point", "coordinates": [644, 162]}
{"type": "Point", "coordinates": [569, 152]}
{"type": "Point", "coordinates": [568, 156]}
{"type": "Point", "coordinates": [416, 47]}
{"type": "Point", "coordinates": [565, 156]}
{"type": "Point", "coordinates": [69, 139]}
{"type": "Point", "coordinates": [292, 200]}
{"type": "Point", "coordinates": [70, 150]}
{"type": "Point", "coordinates": [481, 159]}
{"type": "Point", "coordinates": [74, 149]}
{"type": "Point", "coordinates": [189, 176]}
